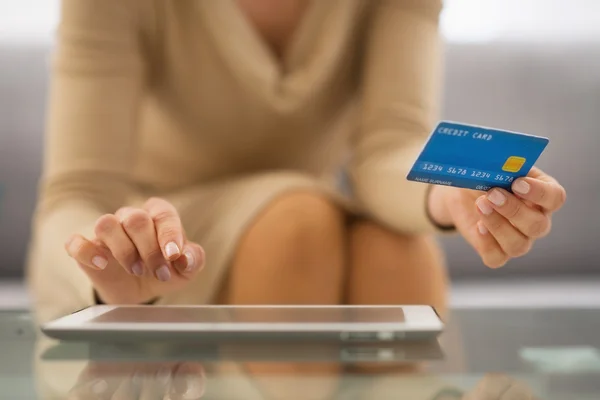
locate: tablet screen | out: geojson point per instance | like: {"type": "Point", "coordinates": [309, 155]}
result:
{"type": "Point", "coordinates": [251, 315]}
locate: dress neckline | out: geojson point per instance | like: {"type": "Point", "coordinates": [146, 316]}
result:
{"type": "Point", "coordinates": [285, 80]}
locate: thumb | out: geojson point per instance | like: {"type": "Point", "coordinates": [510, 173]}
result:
{"type": "Point", "coordinates": [114, 283]}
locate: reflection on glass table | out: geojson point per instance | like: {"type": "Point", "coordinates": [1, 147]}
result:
{"type": "Point", "coordinates": [484, 354]}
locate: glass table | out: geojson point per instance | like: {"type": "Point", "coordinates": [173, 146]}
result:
{"type": "Point", "coordinates": [484, 354]}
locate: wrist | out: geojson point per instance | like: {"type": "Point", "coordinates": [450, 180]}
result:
{"type": "Point", "coordinates": [437, 206]}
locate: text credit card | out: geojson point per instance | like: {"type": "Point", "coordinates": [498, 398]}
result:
{"type": "Point", "coordinates": [475, 157]}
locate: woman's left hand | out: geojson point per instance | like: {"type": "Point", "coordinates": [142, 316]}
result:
{"type": "Point", "coordinates": [498, 224]}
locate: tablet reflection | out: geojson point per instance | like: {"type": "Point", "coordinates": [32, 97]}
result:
{"type": "Point", "coordinates": [106, 373]}
{"type": "Point", "coordinates": [125, 381]}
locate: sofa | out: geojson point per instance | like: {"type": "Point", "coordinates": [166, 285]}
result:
{"type": "Point", "coordinates": [547, 89]}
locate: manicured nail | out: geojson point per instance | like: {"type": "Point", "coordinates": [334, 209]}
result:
{"type": "Point", "coordinates": [69, 241]}
{"type": "Point", "coordinates": [99, 386]}
{"type": "Point", "coordinates": [497, 197]}
{"type": "Point", "coordinates": [163, 273]}
{"type": "Point", "coordinates": [482, 229]}
{"type": "Point", "coordinates": [521, 186]}
{"type": "Point", "coordinates": [485, 208]}
{"type": "Point", "coordinates": [73, 245]}
{"type": "Point", "coordinates": [191, 263]}
{"type": "Point", "coordinates": [171, 250]}
{"type": "Point", "coordinates": [124, 214]}
{"type": "Point", "coordinates": [100, 262]}
{"type": "Point", "coordinates": [137, 269]}
{"type": "Point", "coordinates": [137, 379]}
{"type": "Point", "coordinates": [163, 376]}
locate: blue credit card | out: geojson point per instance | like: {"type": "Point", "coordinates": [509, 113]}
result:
{"type": "Point", "coordinates": [475, 157]}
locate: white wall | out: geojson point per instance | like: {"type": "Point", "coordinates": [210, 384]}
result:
{"type": "Point", "coordinates": [463, 20]}
{"type": "Point", "coordinates": [531, 20]}
{"type": "Point", "coordinates": [28, 20]}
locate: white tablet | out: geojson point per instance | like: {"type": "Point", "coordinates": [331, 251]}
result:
{"type": "Point", "coordinates": [313, 351]}
{"type": "Point", "coordinates": [254, 323]}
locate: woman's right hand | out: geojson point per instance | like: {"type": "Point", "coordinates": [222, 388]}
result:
{"type": "Point", "coordinates": [137, 254]}
{"type": "Point", "coordinates": [143, 380]}
{"type": "Point", "coordinates": [500, 387]}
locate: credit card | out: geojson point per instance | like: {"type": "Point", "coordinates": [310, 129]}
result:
{"type": "Point", "coordinates": [476, 157]}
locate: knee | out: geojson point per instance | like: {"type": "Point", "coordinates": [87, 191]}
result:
{"type": "Point", "coordinates": [409, 251]}
{"type": "Point", "coordinates": [415, 264]}
{"type": "Point", "coordinates": [301, 225]}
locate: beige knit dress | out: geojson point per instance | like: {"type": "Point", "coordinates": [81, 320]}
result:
{"type": "Point", "coordinates": [183, 99]}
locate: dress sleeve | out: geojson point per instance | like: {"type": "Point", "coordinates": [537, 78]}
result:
{"type": "Point", "coordinates": [401, 87]}
{"type": "Point", "coordinates": [96, 81]}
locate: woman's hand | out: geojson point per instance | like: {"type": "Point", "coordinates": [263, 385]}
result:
{"type": "Point", "coordinates": [500, 225]}
{"type": "Point", "coordinates": [137, 254]}
{"type": "Point", "coordinates": [125, 381]}
{"type": "Point", "coordinates": [500, 387]}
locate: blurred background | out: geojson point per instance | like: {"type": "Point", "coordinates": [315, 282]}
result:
{"type": "Point", "coordinates": [526, 65]}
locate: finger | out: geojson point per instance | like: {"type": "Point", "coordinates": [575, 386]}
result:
{"type": "Point", "coordinates": [530, 221]}
{"type": "Point", "coordinates": [87, 253]}
{"type": "Point", "coordinates": [123, 212]}
{"type": "Point", "coordinates": [467, 223]}
{"type": "Point", "coordinates": [93, 389]}
{"type": "Point", "coordinates": [191, 262]}
{"type": "Point", "coordinates": [112, 284]}
{"type": "Point", "coordinates": [95, 383]}
{"type": "Point", "coordinates": [189, 382]}
{"type": "Point", "coordinates": [125, 391]}
{"type": "Point", "coordinates": [518, 391]}
{"type": "Point", "coordinates": [140, 228]}
{"type": "Point", "coordinates": [547, 193]}
{"type": "Point", "coordinates": [168, 227]}
{"type": "Point", "coordinates": [492, 254]}
{"type": "Point", "coordinates": [110, 232]}
{"type": "Point", "coordinates": [491, 387]}
{"type": "Point", "coordinates": [152, 387]}
{"type": "Point", "coordinates": [512, 242]}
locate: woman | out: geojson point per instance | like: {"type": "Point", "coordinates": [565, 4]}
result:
{"type": "Point", "coordinates": [223, 124]}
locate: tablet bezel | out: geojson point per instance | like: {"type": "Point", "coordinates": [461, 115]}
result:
{"type": "Point", "coordinates": [418, 319]}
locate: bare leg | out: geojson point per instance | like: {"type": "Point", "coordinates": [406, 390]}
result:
{"type": "Point", "coordinates": [389, 268]}
{"type": "Point", "coordinates": [292, 254]}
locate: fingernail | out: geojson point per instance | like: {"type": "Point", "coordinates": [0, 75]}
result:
{"type": "Point", "coordinates": [521, 186]}
{"type": "Point", "coordinates": [137, 379]}
{"type": "Point", "coordinates": [163, 376]}
{"type": "Point", "coordinates": [69, 241]}
{"type": "Point", "coordinates": [163, 273]}
{"type": "Point", "coordinates": [100, 262]}
{"type": "Point", "coordinates": [202, 261]}
{"type": "Point", "coordinates": [482, 229]}
{"type": "Point", "coordinates": [191, 263]}
{"type": "Point", "coordinates": [137, 269]}
{"type": "Point", "coordinates": [189, 386]}
{"type": "Point", "coordinates": [125, 214]}
{"type": "Point", "coordinates": [73, 246]}
{"type": "Point", "coordinates": [496, 197]}
{"type": "Point", "coordinates": [99, 387]}
{"type": "Point", "coordinates": [485, 208]}
{"type": "Point", "coordinates": [171, 250]}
